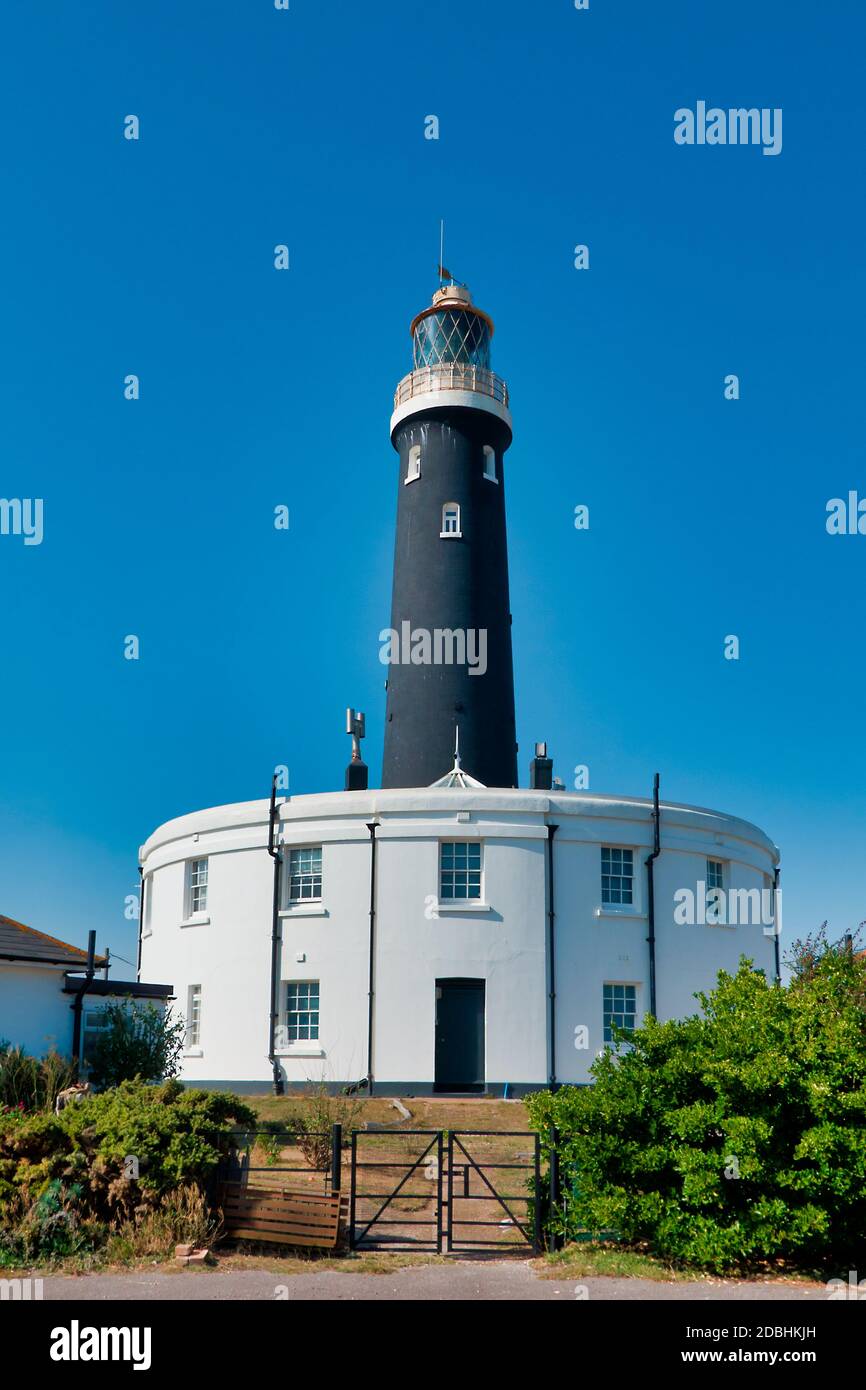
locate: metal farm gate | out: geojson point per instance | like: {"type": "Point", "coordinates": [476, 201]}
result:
{"type": "Point", "coordinates": [448, 1191]}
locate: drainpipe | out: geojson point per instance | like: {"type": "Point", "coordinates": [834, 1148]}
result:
{"type": "Point", "coordinates": [776, 924]}
{"type": "Point", "coordinates": [551, 952]}
{"type": "Point", "coordinates": [650, 897]}
{"type": "Point", "coordinates": [140, 918]}
{"type": "Point", "coordinates": [279, 1087]}
{"type": "Point", "coordinates": [371, 826]}
{"type": "Point", "coordinates": [79, 997]}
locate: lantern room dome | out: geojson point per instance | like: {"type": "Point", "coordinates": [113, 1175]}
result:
{"type": "Point", "coordinates": [450, 330]}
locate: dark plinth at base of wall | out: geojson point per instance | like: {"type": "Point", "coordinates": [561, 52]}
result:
{"type": "Point", "coordinates": [495, 1090]}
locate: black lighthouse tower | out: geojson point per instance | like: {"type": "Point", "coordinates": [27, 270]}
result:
{"type": "Point", "coordinates": [450, 668]}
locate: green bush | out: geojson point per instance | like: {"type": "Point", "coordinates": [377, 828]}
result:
{"type": "Point", "coordinates": [731, 1138]}
{"type": "Point", "coordinates": [135, 1040]}
{"type": "Point", "coordinates": [67, 1180]}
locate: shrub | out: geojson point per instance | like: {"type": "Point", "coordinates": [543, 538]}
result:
{"type": "Point", "coordinates": [108, 1161]}
{"type": "Point", "coordinates": [313, 1123]}
{"type": "Point", "coordinates": [730, 1138]}
{"type": "Point", "coordinates": [31, 1082]}
{"type": "Point", "coordinates": [181, 1216]}
{"type": "Point", "coordinates": [136, 1040]}
{"type": "Point", "coordinates": [271, 1149]}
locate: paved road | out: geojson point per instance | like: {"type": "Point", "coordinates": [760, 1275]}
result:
{"type": "Point", "coordinates": [511, 1281]}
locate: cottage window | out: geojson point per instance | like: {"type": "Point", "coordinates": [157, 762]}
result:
{"type": "Point", "coordinates": [617, 876]}
{"type": "Point", "coordinates": [305, 875]}
{"type": "Point", "coordinates": [193, 1016]}
{"type": "Point", "coordinates": [619, 1003]}
{"type": "Point", "coordinates": [459, 871]}
{"type": "Point", "coordinates": [302, 1011]}
{"type": "Point", "coordinates": [196, 887]}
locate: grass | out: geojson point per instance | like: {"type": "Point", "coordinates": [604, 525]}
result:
{"type": "Point", "coordinates": [239, 1258]}
{"type": "Point", "coordinates": [370, 1262]}
{"type": "Point", "coordinates": [590, 1260]}
{"type": "Point", "coordinates": [600, 1258]}
{"type": "Point", "coordinates": [427, 1112]}
{"type": "Point", "coordinates": [594, 1259]}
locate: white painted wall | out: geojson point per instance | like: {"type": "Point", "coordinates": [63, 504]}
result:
{"type": "Point", "coordinates": [228, 954]}
{"type": "Point", "coordinates": [34, 1012]}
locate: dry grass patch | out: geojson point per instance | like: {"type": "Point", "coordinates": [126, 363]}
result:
{"type": "Point", "coordinates": [428, 1112]}
{"type": "Point", "coordinates": [371, 1262]}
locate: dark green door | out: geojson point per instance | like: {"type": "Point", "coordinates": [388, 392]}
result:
{"type": "Point", "coordinates": [460, 1035]}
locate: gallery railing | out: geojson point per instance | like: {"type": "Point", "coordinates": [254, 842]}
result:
{"type": "Point", "coordinates": [451, 376]}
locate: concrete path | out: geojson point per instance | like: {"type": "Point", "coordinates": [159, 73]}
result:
{"type": "Point", "coordinates": [500, 1281]}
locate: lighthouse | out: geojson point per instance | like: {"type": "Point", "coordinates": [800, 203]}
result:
{"type": "Point", "coordinates": [450, 672]}
{"type": "Point", "coordinates": [441, 933]}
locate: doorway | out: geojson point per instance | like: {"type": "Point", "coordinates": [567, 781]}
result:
{"type": "Point", "coordinates": [460, 1035]}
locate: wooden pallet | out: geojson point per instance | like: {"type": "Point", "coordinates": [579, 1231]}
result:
{"type": "Point", "coordinates": [288, 1218]}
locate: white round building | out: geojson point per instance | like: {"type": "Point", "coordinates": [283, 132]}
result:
{"type": "Point", "coordinates": [450, 931]}
{"type": "Point", "coordinates": [442, 938]}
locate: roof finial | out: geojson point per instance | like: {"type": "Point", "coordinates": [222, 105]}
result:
{"type": "Point", "coordinates": [457, 777]}
{"type": "Point", "coordinates": [444, 272]}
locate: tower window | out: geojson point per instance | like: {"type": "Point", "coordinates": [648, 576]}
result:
{"type": "Point", "coordinates": [490, 463]}
{"type": "Point", "coordinates": [413, 470]}
{"type": "Point", "coordinates": [450, 521]}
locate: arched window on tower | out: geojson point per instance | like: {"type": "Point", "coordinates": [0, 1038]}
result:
{"type": "Point", "coordinates": [490, 463]}
{"type": "Point", "coordinates": [450, 521]}
{"type": "Point", "coordinates": [413, 470]}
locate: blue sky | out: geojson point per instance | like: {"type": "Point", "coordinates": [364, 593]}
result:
{"type": "Point", "coordinates": [261, 387]}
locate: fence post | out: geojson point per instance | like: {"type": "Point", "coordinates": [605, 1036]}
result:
{"type": "Point", "coordinates": [352, 1190]}
{"type": "Point", "coordinates": [554, 1239]}
{"type": "Point", "coordinates": [536, 1206]}
{"type": "Point", "coordinates": [449, 1230]}
{"type": "Point", "coordinates": [336, 1156]}
{"type": "Point", "coordinates": [439, 1193]}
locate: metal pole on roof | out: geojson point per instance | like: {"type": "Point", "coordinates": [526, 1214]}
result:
{"type": "Point", "coordinates": [77, 1002]}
